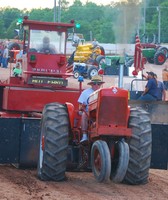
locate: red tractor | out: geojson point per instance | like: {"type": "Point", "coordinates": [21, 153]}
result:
{"type": "Point", "coordinates": [152, 53]}
{"type": "Point", "coordinates": [40, 124]}
{"type": "Point", "coordinates": [43, 80]}
{"type": "Point", "coordinates": [119, 146]}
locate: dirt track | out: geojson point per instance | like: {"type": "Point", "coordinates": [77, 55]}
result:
{"type": "Point", "coordinates": [17, 184]}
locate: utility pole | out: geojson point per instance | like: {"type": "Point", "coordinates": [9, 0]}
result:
{"type": "Point", "coordinates": [59, 10]}
{"type": "Point", "coordinates": [91, 36]}
{"type": "Point", "coordinates": [125, 27]}
{"type": "Point", "coordinates": [144, 20]}
{"type": "Point", "coordinates": [55, 11]}
{"type": "Point", "coordinates": [159, 16]}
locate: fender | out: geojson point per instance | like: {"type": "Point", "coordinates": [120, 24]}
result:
{"type": "Point", "coordinates": [71, 113]}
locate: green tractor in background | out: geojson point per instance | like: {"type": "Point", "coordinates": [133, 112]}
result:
{"type": "Point", "coordinates": [151, 53]}
{"type": "Point", "coordinates": [111, 64]}
{"type": "Point", "coordinates": [154, 54]}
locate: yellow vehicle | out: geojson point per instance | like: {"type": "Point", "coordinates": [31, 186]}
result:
{"type": "Point", "coordinates": [87, 53]}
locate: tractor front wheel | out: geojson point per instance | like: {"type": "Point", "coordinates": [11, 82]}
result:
{"type": "Point", "coordinates": [53, 143]}
{"type": "Point", "coordinates": [101, 161]}
{"type": "Point", "coordinates": [140, 145]}
{"type": "Point", "coordinates": [150, 60]}
{"type": "Point", "coordinates": [76, 74]}
{"type": "Point", "coordinates": [92, 71]}
{"type": "Point", "coordinates": [120, 159]}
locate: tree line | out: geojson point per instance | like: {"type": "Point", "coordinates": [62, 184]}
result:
{"type": "Point", "coordinates": [113, 23]}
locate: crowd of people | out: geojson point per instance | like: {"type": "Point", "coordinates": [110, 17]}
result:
{"type": "Point", "coordinates": [4, 58]}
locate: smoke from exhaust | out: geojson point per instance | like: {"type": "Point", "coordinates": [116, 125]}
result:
{"type": "Point", "coordinates": [128, 20]}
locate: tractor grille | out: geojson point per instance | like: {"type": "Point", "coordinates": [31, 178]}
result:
{"type": "Point", "coordinates": [113, 111]}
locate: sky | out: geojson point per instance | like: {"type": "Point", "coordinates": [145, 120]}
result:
{"type": "Point", "coordinates": [29, 4]}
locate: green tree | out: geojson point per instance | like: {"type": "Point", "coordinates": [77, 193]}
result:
{"type": "Point", "coordinates": [10, 14]}
{"type": "Point", "coordinates": [42, 14]}
{"type": "Point", "coordinates": [116, 22]}
{"type": "Point", "coordinates": [2, 29]}
{"type": "Point", "coordinates": [10, 31]}
{"type": "Point", "coordinates": [152, 21]}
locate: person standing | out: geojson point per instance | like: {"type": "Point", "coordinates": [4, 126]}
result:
{"type": "Point", "coordinates": [95, 42]}
{"type": "Point", "coordinates": [165, 77]}
{"type": "Point", "coordinates": [95, 84]}
{"type": "Point", "coordinates": [161, 93]}
{"type": "Point", "coordinates": [151, 90]}
{"type": "Point", "coordinates": [1, 55]}
{"type": "Point", "coordinates": [5, 57]}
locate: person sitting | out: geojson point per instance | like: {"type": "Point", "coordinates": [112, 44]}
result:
{"type": "Point", "coordinates": [47, 47]}
{"type": "Point", "coordinates": [17, 71]}
{"type": "Point", "coordinates": [96, 52]}
{"type": "Point", "coordinates": [150, 92]}
{"type": "Point", "coordinates": [95, 84]}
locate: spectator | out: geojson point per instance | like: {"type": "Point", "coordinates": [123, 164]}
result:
{"type": "Point", "coordinates": [95, 84]}
{"type": "Point", "coordinates": [165, 77]}
{"type": "Point", "coordinates": [161, 95]}
{"type": "Point", "coordinates": [95, 42]}
{"type": "Point", "coordinates": [1, 55]}
{"type": "Point", "coordinates": [5, 57]}
{"type": "Point", "coordinates": [151, 90]}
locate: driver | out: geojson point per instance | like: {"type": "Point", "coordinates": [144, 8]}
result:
{"type": "Point", "coordinates": [47, 47]}
{"type": "Point", "coordinates": [95, 83]}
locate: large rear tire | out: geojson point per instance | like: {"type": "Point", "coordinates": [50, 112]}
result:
{"type": "Point", "coordinates": [120, 160]}
{"type": "Point", "coordinates": [164, 50]}
{"type": "Point", "coordinates": [159, 58]}
{"type": "Point", "coordinates": [140, 147]}
{"type": "Point", "coordinates": [101, 161]}
{"type": "Point", "coordinates": [53, 142]}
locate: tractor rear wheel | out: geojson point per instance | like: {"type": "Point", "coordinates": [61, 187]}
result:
{"type": "Point", "coordinates": [120, 159]}
{"type": "Point", "coordinates": [164, 50]}
{"type": "Point", "coordinates": [101, 161]}
{"type": "Point", "coordinates": [159, 58]}
{"type": "Point", "coordinates": [14, 45]}
{"type": "Point", "coordinates": [53, 142]}
{"type": "Point", "coordinates": [100, 60]}
{"type": "Point", "coordinates": [140, 147]}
